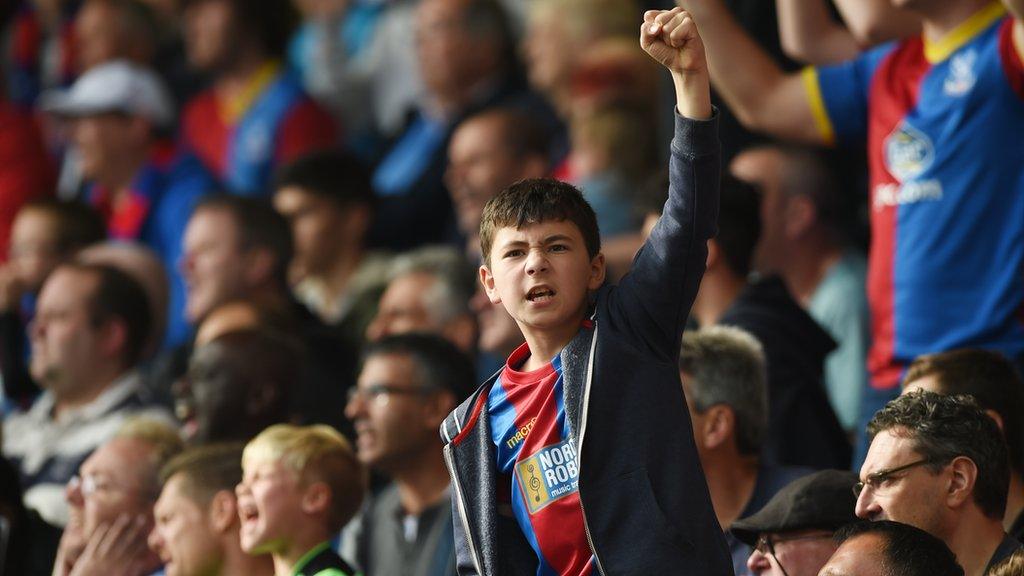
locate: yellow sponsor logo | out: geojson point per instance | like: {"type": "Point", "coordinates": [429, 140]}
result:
{"type": "Point", "coordinates": [521, 434]}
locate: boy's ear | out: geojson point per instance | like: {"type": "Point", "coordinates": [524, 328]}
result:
{"type": "Point", "coordinates": [598, 269]}
{"type": "Point", "coordinates": [487, 281]}
{"type": "Point", "coordinates": [316, 499]}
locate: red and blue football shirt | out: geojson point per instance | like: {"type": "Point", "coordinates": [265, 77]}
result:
{"type": "Point", "coordinates": [944, 124]}
{"type": "Point", "coordinates": [242, 141]}
{"type": "Point", "coordinates": [539, 466]}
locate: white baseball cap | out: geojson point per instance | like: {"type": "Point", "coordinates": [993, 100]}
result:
{"type": "Point", "coordinates": [117, 86]}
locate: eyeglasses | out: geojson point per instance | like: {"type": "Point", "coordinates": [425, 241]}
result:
{"type": "Point", "coordinates": [379, 393]}
{"type": "Point", "coordinates": [89, 484]}
{"type": "Point", "coordinates": [766, 544]}
{"type": "Point", "coordinates": [876, 480]}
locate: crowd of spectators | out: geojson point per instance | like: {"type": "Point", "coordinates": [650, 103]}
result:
{"type": "Point", "coordinates": [241, 271]}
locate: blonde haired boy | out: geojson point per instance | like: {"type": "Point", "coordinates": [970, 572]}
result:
{"type": "Point", "coordinates": [300, 486]}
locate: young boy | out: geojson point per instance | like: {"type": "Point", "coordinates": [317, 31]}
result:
{"type": "Point", "coordinates": [578, 458]}
{"type": "Point", "coordinates": [300, 486]}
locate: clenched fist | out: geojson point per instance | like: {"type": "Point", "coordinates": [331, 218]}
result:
{"type": "Point", "coordinates": [671, 38]}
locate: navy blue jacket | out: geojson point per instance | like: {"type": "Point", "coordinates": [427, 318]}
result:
{"type": "Point", "coordinates": [645, 502]}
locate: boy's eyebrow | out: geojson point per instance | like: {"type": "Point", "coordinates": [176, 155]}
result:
{"type": "Point", "coordinates": [547, 240]}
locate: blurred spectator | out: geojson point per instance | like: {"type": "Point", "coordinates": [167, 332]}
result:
{"type": "Point", "coordinates": [144, 189]}
{"type": "Point", "coordinates": [879, 548]}
{"type": "Point", "coordinates": [300, 486]}
{"type": "Point", "coordinates": [802, 428]}
{"type": "Point", "coordinates": [941, 271]}
{"type": "Point", "coordinates": [994, 383]}
{"type": "Point", "coordinates": [111, 498]}
{"type": "Point", "coordinates": [723, 373]}
{"type": "Point", "coordinates": [87, 339]}
{"type": "Point", "coordinates": [792, 534]}
{"type": "Point", "coordinates": [358, 59]}
{"type": "Point", "coordinates": [238, 384]}
{"type": "Point", "coordinates": [196, 523]}
{"type": "Point", "coordinates": [41, 50]}
{"type": "Point", "coordinates": [429, 291]}
{"type": "Point", "coordinates": [256, 116]}
{"type": "Point", "coordinates": [145, 267]}
{"type": "Point", "coordinates": [240, 249]}
{"type": "Point", "coordinates": [467, 59]}
{"type": "Point", "coordinates": [109, 30]}
{"type": "Point", "coordinates": [939, 463]}
{"type": "Point", "coordinates": [235, 248]}
{"type": "Point", "coordinates": [328, 201]}
{"type": "Point", "coordinates": [407, 387]}
{"type": "Point", "coordinates": [809, 33]}
{"type": "Point", "coordinates": [554, 43]}
{"type": "Point", "coordinates": [488, 152]}
{"type": "Point", "coordinates": [802, 240]}
{"type": "Point", "coordinates": [26, 172]}
{"type": "Point", "coordinates": [45, 233]}
{"type": "Point", "coordinates": [612, 149]}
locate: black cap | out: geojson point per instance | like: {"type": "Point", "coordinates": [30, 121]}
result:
{"type": "Point", "coordinates": [822, 500]}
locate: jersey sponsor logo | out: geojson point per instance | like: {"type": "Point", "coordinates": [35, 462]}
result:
{"type": "Point", "coordinates": [549, 475]}
{"type": "Point", "coordinates": [908, 152]}
{"type": "Point", "coordinates": [887, 195]}
{"type": "Point", "coordinates": [961, 77]}
{"type": "Point", "coordinates": [521, 433]}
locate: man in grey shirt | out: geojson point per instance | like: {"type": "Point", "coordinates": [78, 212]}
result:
{"type": "Point", "coordinates": [408, 384]}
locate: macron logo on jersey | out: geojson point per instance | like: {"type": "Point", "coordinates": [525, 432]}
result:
{"type": "Point", "coordinates": [521, 434]}
{"type": "Point", "coordinates": [908, 153]}
{"type": "Point", "coordinates": [549, 475]}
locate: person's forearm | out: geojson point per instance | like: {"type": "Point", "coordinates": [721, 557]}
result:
{"type": "Point", "coordinates": [693, 95]}
{"type": "Point", "coordinates": [741, 70]}
{"type": "Point", "coordinates": [808, 33]}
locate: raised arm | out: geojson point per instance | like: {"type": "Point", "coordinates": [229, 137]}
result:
{"type": "Point", "coordinates": [808, 33]}
{"type": "Point", "coordinates": [758, 92]}
{"type": "Point", "coordinates": [653, 300]}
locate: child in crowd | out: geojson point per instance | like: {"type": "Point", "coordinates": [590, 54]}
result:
{"type": "Point", "coordinates": [578, 458]}
{"type": "Point", "coordinates": [300, 486]}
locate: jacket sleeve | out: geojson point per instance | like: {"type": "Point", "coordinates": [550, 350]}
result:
{"type": "Point", "coordinates": [653, 301]}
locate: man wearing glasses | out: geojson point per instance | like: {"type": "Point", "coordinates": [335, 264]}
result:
{"type": "Point", "coordinates": [792, 534]}
{"type": "Point", "coordinates": [111, 500]}
{"type": "Point", "coordinates": [940, 463]}
{"type": "Point", "coordinates": [408, 385]}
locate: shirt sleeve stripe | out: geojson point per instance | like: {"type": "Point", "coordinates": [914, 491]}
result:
{"type": "Point", "coordinates": [817, 102]}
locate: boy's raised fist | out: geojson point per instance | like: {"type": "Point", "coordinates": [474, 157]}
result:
{"type": "Point", "coordinates": [671, 38]}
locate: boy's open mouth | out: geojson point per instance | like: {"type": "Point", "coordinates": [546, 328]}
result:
{"type": "Point", "coordinates": [540, 294]}
{"type": "Point", "coordinates": [249, 513]}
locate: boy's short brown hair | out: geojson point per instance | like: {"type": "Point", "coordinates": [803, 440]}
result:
{"type": "Point", "coordinates": [534, 201]}
{"type": "Point", "coordinates": [315, 454]}
{"type": "Point", "coordinates": [206, 470]}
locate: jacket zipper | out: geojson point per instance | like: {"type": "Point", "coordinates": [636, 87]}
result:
{"type": "Point", "coordinates": [462, 508]}
{"type": "Point", "coordinates": [579, 448]}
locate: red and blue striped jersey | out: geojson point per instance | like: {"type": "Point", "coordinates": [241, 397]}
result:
{"type": "Point", "coordinates": [944, 124]}
{"type": "Point", "coordinates": [243, 141]}
{"type": "Point", "coordinates": [539, 466]}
